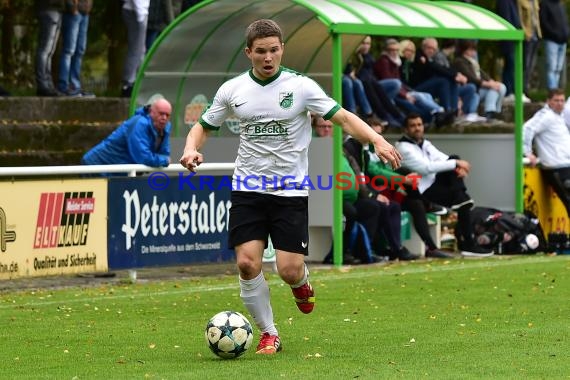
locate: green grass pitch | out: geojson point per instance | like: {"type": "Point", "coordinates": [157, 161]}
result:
{"type": "Point", "coordinates": [496, 318]}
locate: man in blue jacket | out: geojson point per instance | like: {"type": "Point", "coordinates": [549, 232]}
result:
{"type": "Point", "coordinates": [142, 139]}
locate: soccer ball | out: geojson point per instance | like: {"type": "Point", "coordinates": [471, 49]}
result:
{"type": "Point", "coordinates": [532, 241]}
{"type": "Point", "coordinates": [229, 334]}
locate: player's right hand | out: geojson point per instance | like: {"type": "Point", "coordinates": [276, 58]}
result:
{"type": "Point", "coordinates": [387, 152]}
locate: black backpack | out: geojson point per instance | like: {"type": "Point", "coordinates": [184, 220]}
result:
{"type": "Point", "coordinates": [507, 232]}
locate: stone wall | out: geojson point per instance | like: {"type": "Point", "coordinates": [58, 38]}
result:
{"type": "Point", "coordinates": [38, 131]}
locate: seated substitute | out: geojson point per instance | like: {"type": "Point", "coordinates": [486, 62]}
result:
{"type": "Point", "coordinates": [380, 215]}
{"type": "Point", "coordinates": [441, 181]}
{"type": "Point", "coordinates": [415, 205]}
{"type": "Point", "coordinates": [144, 138]}
{"type": "Point", "coordinates": [551, 138]}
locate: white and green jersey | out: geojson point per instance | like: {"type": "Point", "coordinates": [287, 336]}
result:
{"type": "Point", "coordinates": [275, 128]}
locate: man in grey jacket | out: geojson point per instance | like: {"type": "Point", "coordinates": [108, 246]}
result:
{"type": "Point", "coordinates": [441, 180]}
{"type": "Point", "coordinates": [551, 138]}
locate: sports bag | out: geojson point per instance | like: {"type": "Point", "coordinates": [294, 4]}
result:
{"type": "Point", "coordinates": [507, 232]}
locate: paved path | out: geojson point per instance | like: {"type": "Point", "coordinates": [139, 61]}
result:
{"type": "Point", "coordinates": [119, 276]}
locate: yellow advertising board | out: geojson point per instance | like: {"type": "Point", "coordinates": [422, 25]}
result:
{"type": "Point", "coordinates": [542, 201]}
{"type": "Point", "coordinates": [50, 227]}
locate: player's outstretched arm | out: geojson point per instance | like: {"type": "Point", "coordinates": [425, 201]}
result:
{"type": "Point", "coordinates": [354, 126]}
{"type": "Point", "coordinates": [196, 138]}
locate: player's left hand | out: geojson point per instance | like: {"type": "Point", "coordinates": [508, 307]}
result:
{"type": "Point", "coordinates": [191, 159]}
{"type": "Point", "coordinates": [387, 152]}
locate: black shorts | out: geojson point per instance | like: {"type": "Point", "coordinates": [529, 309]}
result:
{"type": "Point", "coordinates": [255, 216]}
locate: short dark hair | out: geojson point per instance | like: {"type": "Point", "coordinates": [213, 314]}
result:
{"type": "Point", "coordinates": [464, 45]}
{"type": "Point", "coordinates": [447, 43]}
{"type": "Point", "coordinates": [411, 116]}
{"type": "Point", "coordinates": [554, 92]}
{"type": "Point", "coordinates": [374, 120]}
{"type": "Point", "coordinates": [315, 118]}
{"type": "Point", "coordinates": [262, 29]}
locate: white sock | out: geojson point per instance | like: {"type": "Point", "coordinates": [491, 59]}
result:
{"type": "Point", "coordinates": [255, 296]}
{"type": "Point", "coordinates": [303, 280]}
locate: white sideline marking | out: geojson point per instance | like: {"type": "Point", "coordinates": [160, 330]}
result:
{"type": "Point", "coordinates": [321, 276]}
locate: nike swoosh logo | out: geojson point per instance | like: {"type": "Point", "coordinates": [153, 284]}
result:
{"type": "Point", "coordinates": [303, 244]}
{"type": "Point", "coordinates": [239, 105]}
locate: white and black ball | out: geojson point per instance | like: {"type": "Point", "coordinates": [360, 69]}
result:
{"type": "Point", "coordinates": [229, 334]}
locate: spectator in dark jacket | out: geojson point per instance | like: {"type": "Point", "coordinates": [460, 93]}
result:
{"type": "Point", "coordinates": [491, 91]}
{"type": "Point", "coordinates": [507, 9]}
{"type": "Point", "coordinates": [530, 23]}
{"type": "Point", "coordinates": [431, 77]}
{"type": "Point", "coordinates": [361, 64]}
{"type": "Point", "coordinates": [554, 25]}
{"type": "Point", "coordinates": [160, 14]}
{"type": "Point", "coordinates": [467, 91]}
{"type": "Point", "coordinates": [387, 70]}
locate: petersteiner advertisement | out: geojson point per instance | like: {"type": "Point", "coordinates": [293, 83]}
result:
{"type": "Point", "coordinates": [168, 220]}
{"type": "Point", "coordinates": [52, 227]}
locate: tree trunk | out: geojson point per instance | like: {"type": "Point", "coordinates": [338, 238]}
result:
{"type": "Point", "coordinates": [117, 46]}
{"type": "Point", "coordinates": [7, 53]}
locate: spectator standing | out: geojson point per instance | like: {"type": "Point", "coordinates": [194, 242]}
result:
{"type": "Point", "coordinates": [554, 26]}
{"type": "Point", "coordinates": [49, 13]}
{"type": "Point", "coordinates": [508, 10]}
{"type": "Point", "coordinates": [74, 34]}
{"type": "Point", "coordinates": [529, 15]}
{"type": "Point", "coordinates": [142, 139]}
{"type": "Point", "coordinates": [441, 180]}
{"type": "Point", "coordinates": [491, 91]}
{"type": "Point", "coordinates": [187, 4]}
{"type": "Point", "coordinates": [160, 14]}
{"type": "Point", "coordinates": [549, 133]}
{"type": "Point", "coordinates": [135, 17]}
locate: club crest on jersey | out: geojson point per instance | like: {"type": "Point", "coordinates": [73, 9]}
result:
{"type": "Point", "coordinates": [285, 99]}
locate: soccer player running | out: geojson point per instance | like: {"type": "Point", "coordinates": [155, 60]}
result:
{"type": "Point", "coordinates": [273, 105]}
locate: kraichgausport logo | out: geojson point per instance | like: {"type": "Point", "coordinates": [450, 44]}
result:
{"type": "Point", "coordinates": [63, 219]}
{"type": "Point", "coordinates": [6, 236]}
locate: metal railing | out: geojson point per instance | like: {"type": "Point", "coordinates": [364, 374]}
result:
{"type": "Point", "coordinates": [131, 169]}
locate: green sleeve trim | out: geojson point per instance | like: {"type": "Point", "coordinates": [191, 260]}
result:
{"type": "Point", "coordinates": [208, 126]}
{"type": "Point", "coordinates": [331, 113]}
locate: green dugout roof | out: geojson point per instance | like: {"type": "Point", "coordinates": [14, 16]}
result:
{"type": "Point", "coordinates": [204, 47]}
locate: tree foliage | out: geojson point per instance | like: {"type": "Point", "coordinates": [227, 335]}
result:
{"type": "Point", "coordinates": [106, 46]}
{"type": "Point", "coordinates": [102, 63]}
